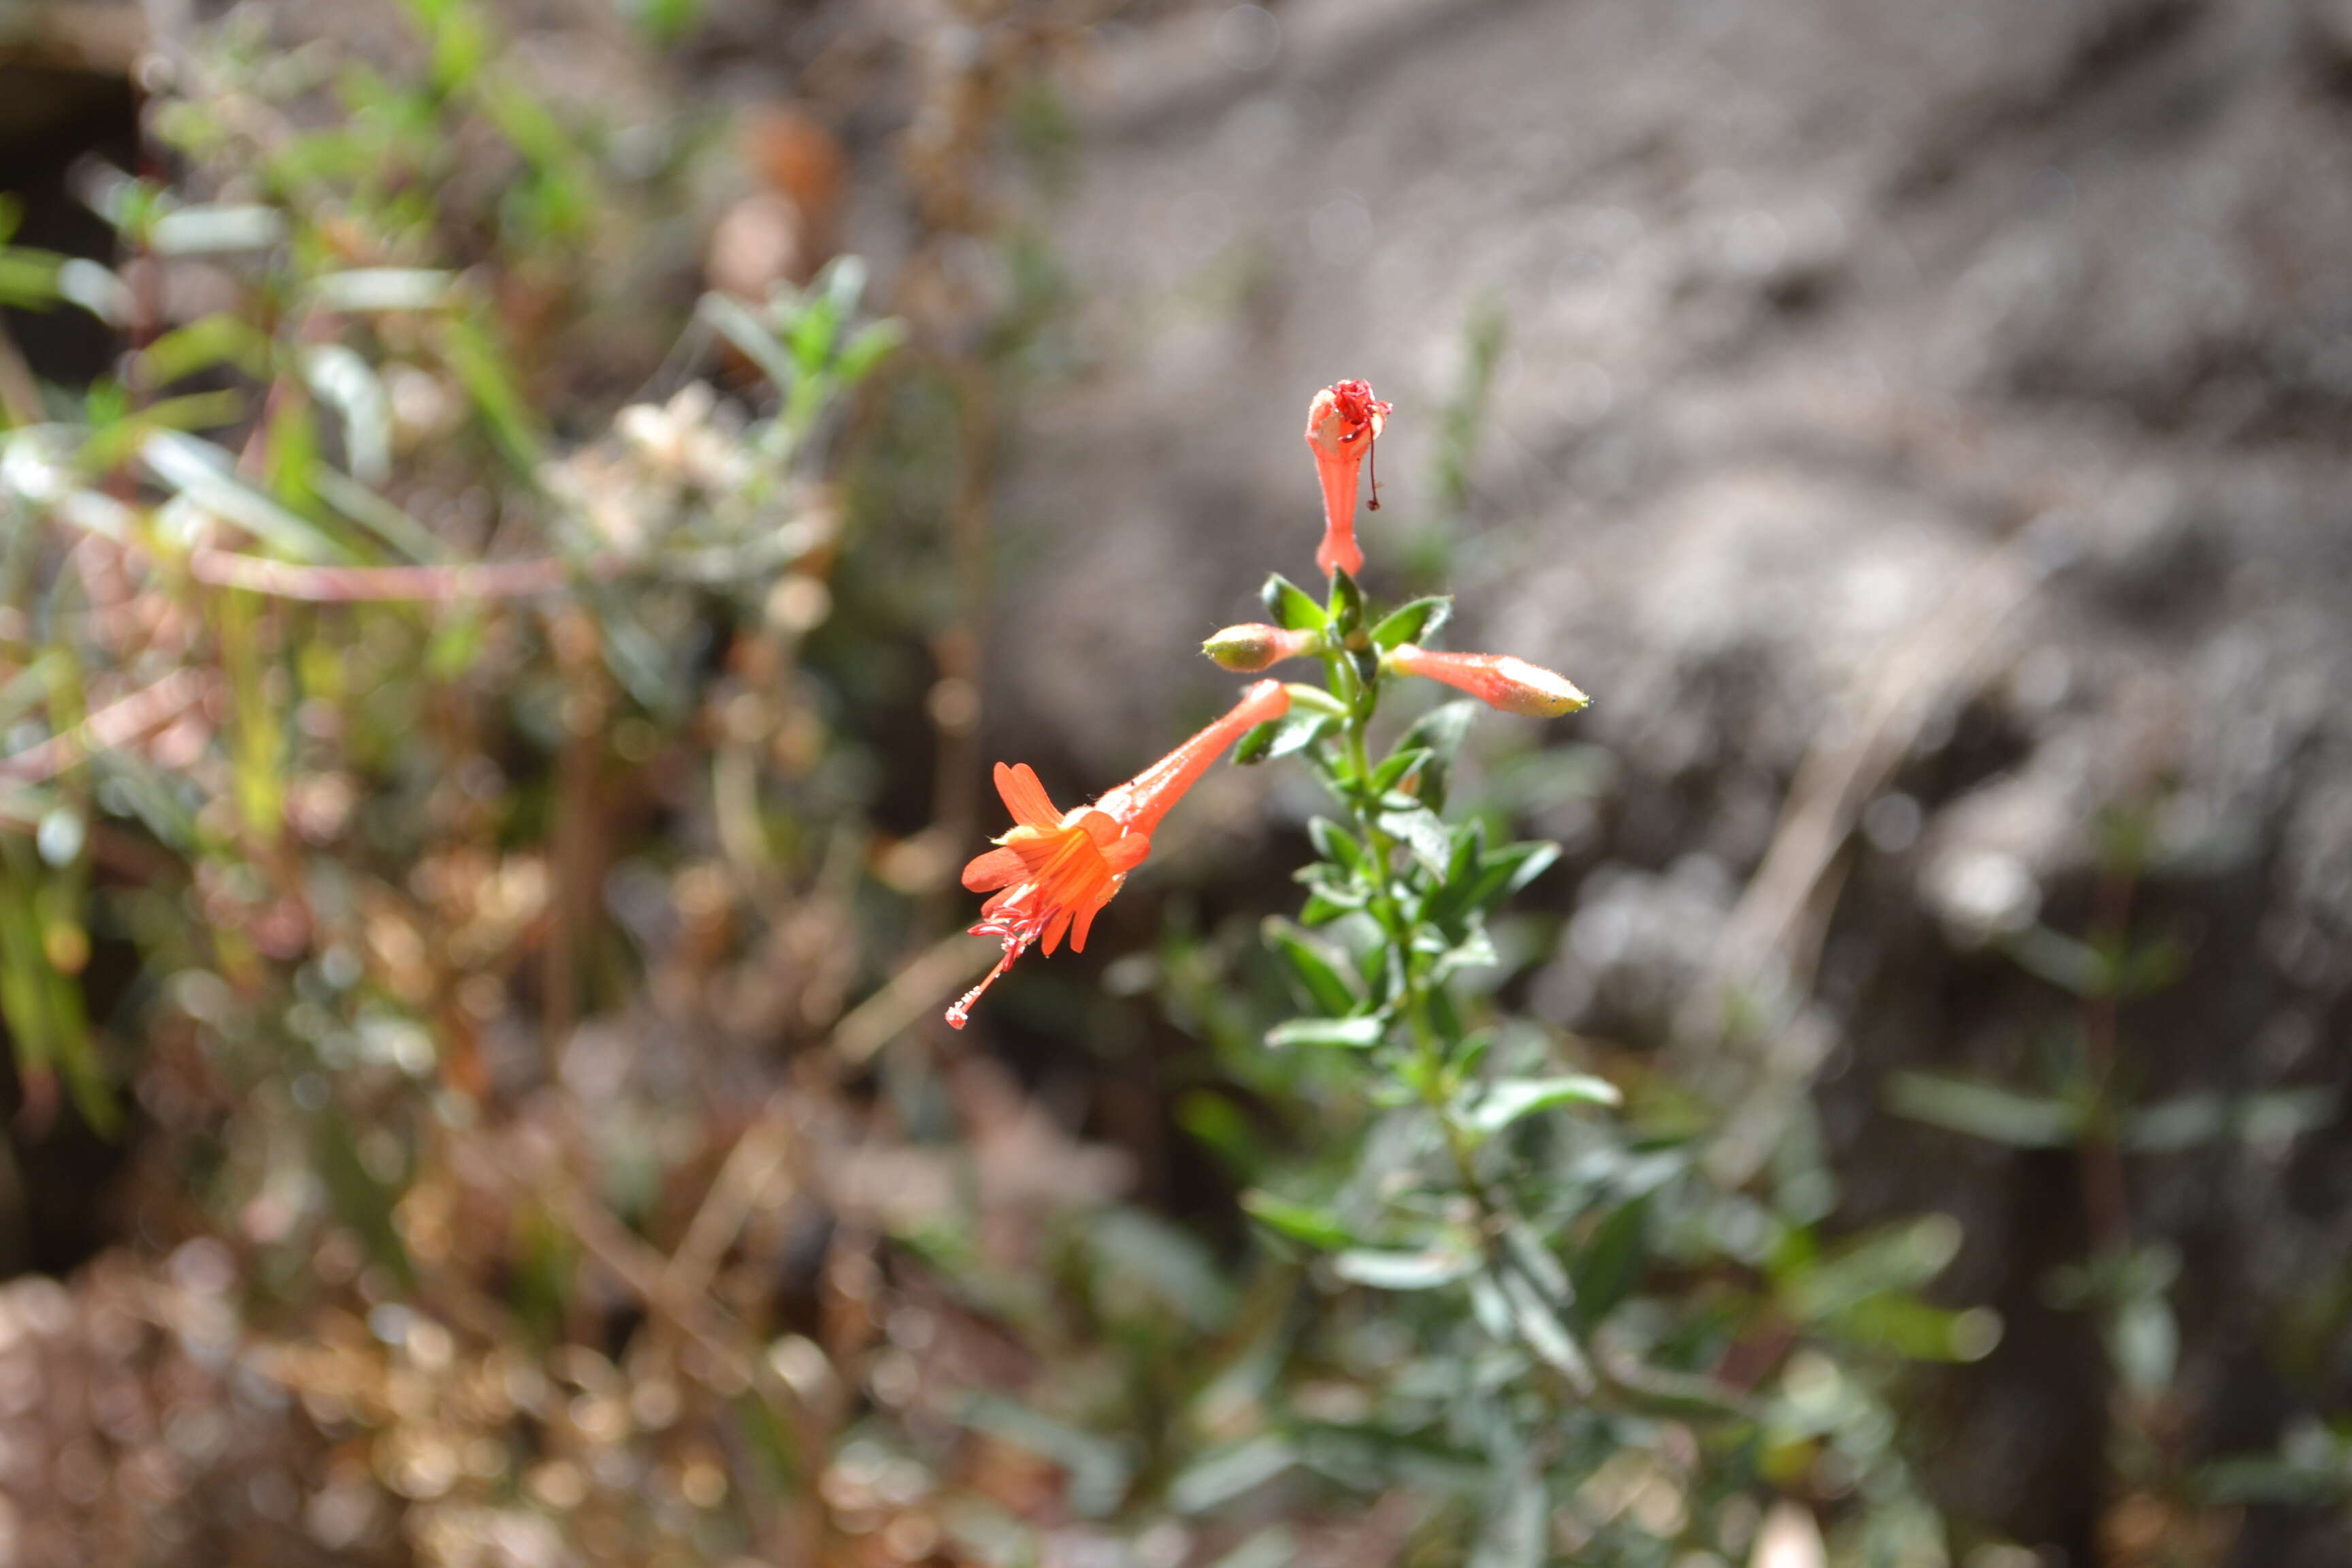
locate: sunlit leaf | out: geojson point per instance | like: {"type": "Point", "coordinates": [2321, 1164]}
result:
{"type": "Point", "coordinates": [1345, 1034]}
{"type": "Point", "coordinates": [1543, 1332]}
{"type": "Point", "coordinates": [1385, 1270]}
{"type": "Point", "coordinates": [348, 384]}
{"type": "Point", "coordinates": [210, 231]}
{"type": "Point", "coordinates": [368, 290]}
{"type": "Point", "coordinates": [203, 473]}
{"type": "Point", "coordinates": [1423, 835]}
{"type": "Point", "coordinates": [1506, 1101]}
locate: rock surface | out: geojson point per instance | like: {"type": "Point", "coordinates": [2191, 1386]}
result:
{"type": "Point", "coordinates": [1952, 394]}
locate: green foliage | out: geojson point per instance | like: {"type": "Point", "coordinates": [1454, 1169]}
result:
{"type": "Point", "coordinates": [347, 648]}
{"type": "Point", "coordinates": [1564, 1296]}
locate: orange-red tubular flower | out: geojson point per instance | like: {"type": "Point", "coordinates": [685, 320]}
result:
{"type": "Point", "coordinates": [1497, 680]}
{"type": "Point", "coordinates": [1342, 423]}
{"type": "Point", "coordinates": [1053, 871]}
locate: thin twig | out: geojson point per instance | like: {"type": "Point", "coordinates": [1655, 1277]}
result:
{"type": "Point", "coordinates": [117, 725]}
{"type": "Point", "coordinates": [348, 584]}
{"type": "Point", "coordinates": [1773, 938]}
{"type": "Point", "coordinates": [1838, 778]}
{"type": "Point", "coordinates": [758, 1161]}
{"type": "Point", "coordinates": [755, 1170]}
{"type": "Point", "coordinates": [926, 981]}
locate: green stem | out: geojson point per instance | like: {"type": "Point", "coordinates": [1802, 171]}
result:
{"type": "Point", "coordinates": [1433, 1053]}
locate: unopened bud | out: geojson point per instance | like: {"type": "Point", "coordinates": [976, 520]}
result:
{"type": "Point", "coordinates": [1497, 680]}
{"type": "Point", "coordinates": [1246, 649]}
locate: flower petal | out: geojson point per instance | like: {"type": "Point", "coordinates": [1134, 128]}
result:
{"type": "Point", "coordinates": [997, 869]}
{"type": "Point", "coordinates": [1086, 920]}
{"type": "Point", "coordinates": [1026, 797]}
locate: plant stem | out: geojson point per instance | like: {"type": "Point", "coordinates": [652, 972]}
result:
{"type": "Point", "coordinates": [1434, 1085]}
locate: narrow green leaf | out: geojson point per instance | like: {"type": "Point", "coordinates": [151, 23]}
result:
{"type": "Point", "coordinates": [475, 360]}
{"type": "Point", "coordinates": [1983, 1111]}
{"type": "Point", "coordinates": [1475, 950]}
{"type": "Point", "coordinates": [378, 516]}
{"type": "Point", "coordinates": [367, 290]}
{"type": "Point", "coordinates": [1532, 1256]}
{"type": "Point", "coordinates": [1469, 842]}
{"type": "Point", "coordinates": [1314, 1226]}
{"type": "Point", "coordinates": [1442, 729]}
{"type": "Point", "coordinates": [348, 385]}
{"type": "Point", "coordinates": [1542, 1332]}
{"type": "Point", "coordinates": [1337, 845]}
{"type": "Point", "coordinates": [1344, 1033]}
{"type": "Point", "coordinates": [2189, 1121]}
{"type": "Point", "coordinates": [1514, 1533]}
{"type": "Point", "coordinates": [1319, 968]}
{"type": "Point", "coordinates": [751, 337]}
{"type": "Point", "coordinates": [1502, 872]}
{"type": "Point", "coordinates": [1385, 1270]}
{"type": "Point", "coordinates": [1440, 733]}
{"type": "Point", "coordinates": [2144, 1341]}
{"type": "Point", "coordinates": [1399, 763]}
{"type": "Point", "coordinates": [1508, 1100]}
{"type": "Point", "coordinates": [202, 345]}
{"type": "Point", "coordinates": [1222, 1474]}
{"type": "Point", "coordinates": [1900, 1257]}
{"type": "Point", "coordinates": [1334, 883]}
{"type": "Point", "coordinates": [1413, 622]}
{"type": "Point", "coordinates": [1608, 1266]}
{"type": "Point", "coordinates": [203, 472]}
{"type": "Point", "coordinates": [1424, 836]}
{"type": "Point", "coordinates": [1916, 1330]}
{"type": "Point", "coordinates": [28, 278]}
{"type": "Point", "coordinates": [1291, 608]}
{"type": "Point", "coordinates": [874, 343]}
{"type": "Point", "coordinates": [214, 230]}
{"type": "Point", "coordinates": [1346, 609]}
{"type": "Point", "coordinates": [2066, 962]}
{"type": "Point", "coordinates": [1297, 733]}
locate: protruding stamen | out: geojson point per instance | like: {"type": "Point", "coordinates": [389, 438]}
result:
{"type": "Point", "coordinates": [961, 1013]}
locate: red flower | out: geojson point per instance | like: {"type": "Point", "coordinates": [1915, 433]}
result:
{"type": "Point", "coordinates": [1497, 680]}
{"type": "Point", "coordinates": [1342, 424]}
{"type": "Point", "coordinates": [1052, 873]}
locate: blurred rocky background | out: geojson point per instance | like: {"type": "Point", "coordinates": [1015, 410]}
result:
{"type": "Point", "coordinates": [1922, 427]}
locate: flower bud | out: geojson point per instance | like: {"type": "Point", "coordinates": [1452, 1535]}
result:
{"type": "Point", "coordinates": [1497, 680]}
{"type": "Point", "coordinates": [1246, 649]}
{"type": "Point", "coordinates": [1343, 424]}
